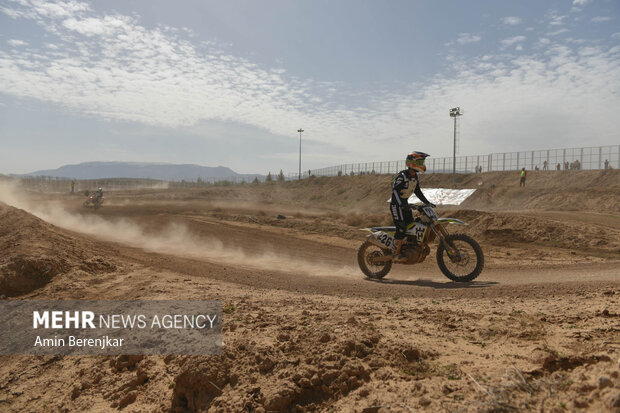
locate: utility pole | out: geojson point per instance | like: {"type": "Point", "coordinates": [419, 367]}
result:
{"type": "Point", "coordinates": [454, 113]}
{"type": "Point", "coordinates": [300, 130]}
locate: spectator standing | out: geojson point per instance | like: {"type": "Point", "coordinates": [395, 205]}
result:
{"type": "Point", "coordinates": [545, 165]}
{"type": "Point", "coordinates": [523, 176]}
{"type": "Point", "coordinates": [72, 186]}
{"type": "Point", "coordinates": [606, 164]}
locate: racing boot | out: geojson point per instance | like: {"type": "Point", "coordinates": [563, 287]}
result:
{"type": "Point", "coordinates": [398, 255]}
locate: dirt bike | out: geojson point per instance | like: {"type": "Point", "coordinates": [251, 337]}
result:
{"type": "Point", "coordinates": [94, 201]}
{"type": "Point", "coordinates": [459, 256]}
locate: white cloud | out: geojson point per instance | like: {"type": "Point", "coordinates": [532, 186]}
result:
{"type": "Point", "coordinates": [93, 26]}
{"type": "Point", "coordinates": [581, 2]}
{"type": "Point", "coordinates": [555, 19]}
{"type": "Point", "coordinates": [511, 20]}
{"type": "Point", "coordinates": [557, 32]}
{"type": "Point", "coordinates": [513, 40]}
{"type": "Point", "coordinates": [111, 67]}
{"type": "Point", "coordinates": [16, 42]}
{"type": "Point", "coordinates": [465, 38]}
{"type": "Point", "coordinates": [599, 19]}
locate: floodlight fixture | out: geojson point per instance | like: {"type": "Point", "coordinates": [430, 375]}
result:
{"type": "Point", "coordinates": [454, 113]}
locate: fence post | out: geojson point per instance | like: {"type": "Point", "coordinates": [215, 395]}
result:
{"type": "Point", "coordinates": [504, 163]}
{"type": "Point", "coordinates": [563, 158]}
{"type": "Point", "coordinates": [532, 166]}
{"type": "Point", "coordinates": [490, 162]}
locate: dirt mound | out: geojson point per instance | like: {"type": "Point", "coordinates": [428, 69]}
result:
{"type": "Point", "coordinates": [557, 190]}
{"type": "Point", "coordinates": [598, 191]}
{"type": "Point", "coordinates": [504, 227]}
{"type": "Point", "coordinates": [33, 252]}
{"type": "Point", "coordinates": [302, 370]}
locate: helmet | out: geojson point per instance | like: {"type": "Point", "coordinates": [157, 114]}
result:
{"type": "Point", "coordinates": [415, 161]}
{"type": "Point", "coordinates": [100, 190]}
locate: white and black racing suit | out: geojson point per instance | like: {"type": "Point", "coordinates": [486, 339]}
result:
{"type": "Point", "coordinates": [399, 206]}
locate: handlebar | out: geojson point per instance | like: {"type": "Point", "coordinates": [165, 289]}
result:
{"type": "Point", "coordinates": [419, 207]}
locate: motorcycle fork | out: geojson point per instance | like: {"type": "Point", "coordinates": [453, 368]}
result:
{"type": "Point", "coordinates": [441, 234]}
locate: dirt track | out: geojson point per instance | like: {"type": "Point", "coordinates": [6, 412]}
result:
{"type": "Point", "coordinates": [539, 330]}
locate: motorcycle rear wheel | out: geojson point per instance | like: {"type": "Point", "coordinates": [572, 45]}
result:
{"type": "Point", "coordinates": [374, 271]}
{"type": "Point", "coordinates": [467, 265]}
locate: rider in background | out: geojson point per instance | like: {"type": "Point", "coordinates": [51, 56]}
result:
{"type": "Point", "coordinates": [399, 206]}
{"type": "Point", "coordinates": [98, 195]}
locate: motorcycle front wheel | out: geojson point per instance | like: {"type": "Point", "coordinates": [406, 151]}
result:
{"type": "Point", "coordinates": [365, 254]}
{"type": "Point", "coordinates": [465, 262]}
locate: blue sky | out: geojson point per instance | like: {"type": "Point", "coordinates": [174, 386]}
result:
{"type": "Point", "coordinates": [229, 82]}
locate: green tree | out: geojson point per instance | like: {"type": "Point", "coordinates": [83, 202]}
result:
{"type": "Point", "coordinates": [269, 178]}
{"type": "Point", "coordinates": [281, 176]}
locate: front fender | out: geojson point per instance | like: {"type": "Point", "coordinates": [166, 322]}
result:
{"type": "Point", "coordinates": [451, 221]}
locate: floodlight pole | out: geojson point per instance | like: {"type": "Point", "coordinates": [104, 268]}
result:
{"type": "Point", "coordinates": [454, 112]}
{"type": "Point", "coordinates": [300, 130]}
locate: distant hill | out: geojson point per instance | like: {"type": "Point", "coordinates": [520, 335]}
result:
{"type": "Point", "coordinates": [162, 171]}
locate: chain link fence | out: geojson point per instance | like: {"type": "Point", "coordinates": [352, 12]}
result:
{"type": "Point", "coordinates": [590, 158]}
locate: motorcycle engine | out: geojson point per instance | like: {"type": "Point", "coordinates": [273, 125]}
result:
{"type": "Point", "coordinates": [416, 254]}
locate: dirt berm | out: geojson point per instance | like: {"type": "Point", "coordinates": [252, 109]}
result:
{"type": "Point", "coordinates": [33, 252]}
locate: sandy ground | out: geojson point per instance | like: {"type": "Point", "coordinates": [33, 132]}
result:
{"type": "Point", "coordinates": [539, 330]}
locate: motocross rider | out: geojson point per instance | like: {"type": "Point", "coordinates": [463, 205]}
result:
{"type": "Point", "coordinates": [399, 206]}
{"type": "Point", "coordinates": [98, 195]}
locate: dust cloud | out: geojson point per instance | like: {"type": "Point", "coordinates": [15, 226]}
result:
{"type": "Point", "coordinates": [174, 239]}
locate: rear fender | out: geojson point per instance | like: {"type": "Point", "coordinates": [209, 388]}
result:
{"type": "Point", "coordinates": [372, 239]}
{"type": "Point", "coordinates": [381, 239]}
